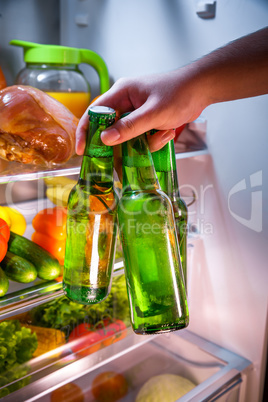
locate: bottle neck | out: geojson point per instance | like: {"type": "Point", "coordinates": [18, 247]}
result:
{"type": "Point", "coordinates": [166, 170]}
{"type": "Point", "coordinates": [138, 169]}
{"type": "Point", "coordinates": [97, 163]}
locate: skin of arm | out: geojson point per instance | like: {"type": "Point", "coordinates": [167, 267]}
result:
{"type": "Point", "coordinates": [164, 101]}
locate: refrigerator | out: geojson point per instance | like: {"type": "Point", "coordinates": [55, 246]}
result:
{"type": "Point", "coordinates": [222, 169]}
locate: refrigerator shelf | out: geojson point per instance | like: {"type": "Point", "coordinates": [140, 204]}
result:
{"type": "Point", "coordinates": [15, 171]}
{"type": "Point", "coordinates": [215, 370]}
{"type": "Point", "coordinates": [26, 298]}
{"type": "Point", "coordinates": [22, 297]}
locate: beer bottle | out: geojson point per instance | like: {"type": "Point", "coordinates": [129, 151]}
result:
{"type": "Point", "coordinates": [152, 264]}
{"type": "Point", "coordinates": [165, 166]}
{"type": "Point", "coordinates": [92, 218]}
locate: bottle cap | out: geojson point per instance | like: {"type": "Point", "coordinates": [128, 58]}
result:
{"type": "Point", "coordinates": [103, 114]}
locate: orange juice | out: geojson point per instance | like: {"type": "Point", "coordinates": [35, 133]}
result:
{"type": "Point", "coordinates": [76, 102]}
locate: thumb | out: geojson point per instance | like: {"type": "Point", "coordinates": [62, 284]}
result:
{"type": "Point", "coordinates": [130, 126]}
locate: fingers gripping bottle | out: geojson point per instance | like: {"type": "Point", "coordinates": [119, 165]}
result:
{"type": "Point", "coordinates": [92, 218]}
{"type": "Point", "coordinates": [153, 271]}
{"type": "Point", "coordinates": [165, 166]}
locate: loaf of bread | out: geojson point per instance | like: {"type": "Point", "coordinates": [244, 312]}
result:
{"type": "Point", "coordinates": [34, 127]}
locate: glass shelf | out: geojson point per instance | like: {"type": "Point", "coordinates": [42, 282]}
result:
{"type": "Point", "coordinates": [15, 171]}
{"type": "Point", "coordinates": [22, 300]}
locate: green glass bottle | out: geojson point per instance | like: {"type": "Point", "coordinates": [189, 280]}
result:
{"type": "Point", "coordinates": [153, 271]}
{"type": "Point", "coordinates": [92, 218]}
{"type": "Point", "coordinates": [165, 167]}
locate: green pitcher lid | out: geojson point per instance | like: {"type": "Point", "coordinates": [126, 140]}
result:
{"type": "Point", "coordinates": [39, 53]}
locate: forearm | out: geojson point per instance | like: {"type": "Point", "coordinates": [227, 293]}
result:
{"type": "Point", "coordinates": [237, 70]}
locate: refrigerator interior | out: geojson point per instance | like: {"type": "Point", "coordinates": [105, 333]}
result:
{"type": "Point", "coordinates": [228, 270]}
{"type": "Point", "coordinates": [215, 373]}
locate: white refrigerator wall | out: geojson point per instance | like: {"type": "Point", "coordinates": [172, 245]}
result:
{"type": "Point", "coordinates": [228, 272]}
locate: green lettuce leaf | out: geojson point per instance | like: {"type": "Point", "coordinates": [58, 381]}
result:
{"type": "Point", "coordinates": [63, 314]}
{"type": "Point", "coordinates": [17, 347]}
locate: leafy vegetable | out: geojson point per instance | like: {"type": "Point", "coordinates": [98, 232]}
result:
{"type": "Point", "coordinates": [64, 314]}
{"type": "Point", "coordinates": [17, 345]}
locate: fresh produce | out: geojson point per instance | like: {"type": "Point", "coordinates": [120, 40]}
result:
{"type": "Point", "coordinates": [4, 237]}
{"type": "Point", "coordinates": [17, 345]}
{"type": "Point", "coordinates": [58, 189]}
{"type": "Point", "coordinates": [50, 231]}
{"type": "Point", "coordinates": [48, 338]}
{"type": "Point", "coordinates": [5, 215]}
{"type": "Point", "coordinates": [47, 266]}
{"type": "Point", "coordinates": [67, 393]}
{"type": "Point", "coordinates": [89, 339]}
{"type": "Point", "coordinates": [4, 283]}
{"type": "Point", "coordinates": [4, 229]}
{"type": "Point", "coordinates": [52, 222]}
{"type": "Point", "coordinates": [54, 247]}
{"type": "Point", "coordinates": [93, 337]}
{"type": "Point", "coordinates": [109, 386]}
{"type": "Point", "coordinates": [15, 220]}
{"type": "Point", "coordinates": [111, 331]}
{"type": "Point", "coordinates": [42, 129]}
{"type": "Point", "coordinates": [18, 269]}
{"type": "Point", "coordinates": [3, 247]}
{"type": "Point", "coordinates": [164, 388]}
{"type": "Point", "coordinates": [62, 313]}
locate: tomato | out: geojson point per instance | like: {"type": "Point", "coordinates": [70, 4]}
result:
{"type": "Point", "coordinates": [67, 393]}
{"type": "Point", "coordinates": [92, 339]}
{"type": "Point", "coordinates": [4, 229]}
{"type": "Point", "coordinates": [112, 332]}
{"type": "Point", "coordinates": [3, 247]}
{"type": "Point", "coordinates": [89, 340]}
{"type": "Point", "coordinates": [109, 386]}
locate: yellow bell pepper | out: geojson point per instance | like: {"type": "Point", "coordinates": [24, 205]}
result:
{"type": "Point", "coordinates": [15, 220]}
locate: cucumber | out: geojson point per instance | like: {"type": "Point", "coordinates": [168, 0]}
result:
{"type": "Point", "coordinates": [47, 266]}
{"type": "Point", "coordinates": [18, 269]}
{"type": "Point", "coordinates": [4, 283]}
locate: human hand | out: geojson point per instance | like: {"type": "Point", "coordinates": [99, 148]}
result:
{"type": "Point", "coordinates": [166, 101]}
{"type": "Point", "coordinates": [162, 102]}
